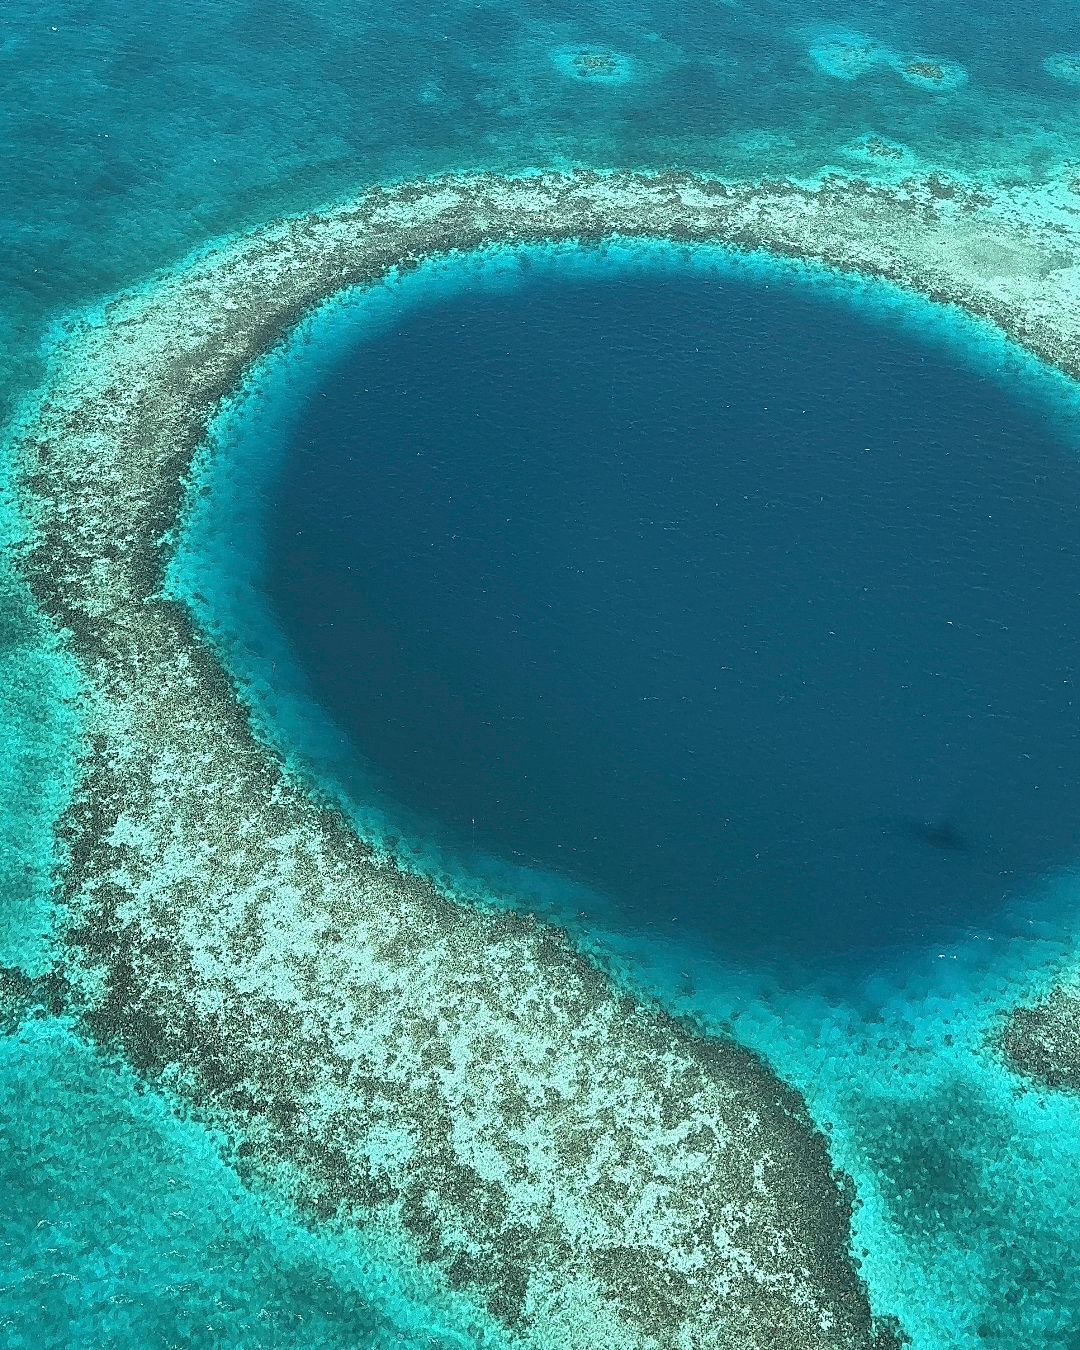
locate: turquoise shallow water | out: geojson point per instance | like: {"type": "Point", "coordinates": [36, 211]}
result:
{"type": "Point", "coordinates": [131, 137]}
{"type": "Point", "coordinates": [124, 1226]}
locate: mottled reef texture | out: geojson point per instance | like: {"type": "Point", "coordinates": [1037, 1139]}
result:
{"type": "Point", "coordinates": [590, 1170]}
{"type": "Point", "coordinates": [1043, 1041]}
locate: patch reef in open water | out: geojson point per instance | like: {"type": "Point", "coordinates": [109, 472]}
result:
{"type": "Point", "coordinates": [587, 1169]}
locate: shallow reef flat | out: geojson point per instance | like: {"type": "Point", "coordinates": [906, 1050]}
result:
{"type": "Point", "coordinates": [1042, 1040]}
{"type": "Point", "coordinates": [588, 1170]}
{"type": "Point", "coordinates": [845, 55]}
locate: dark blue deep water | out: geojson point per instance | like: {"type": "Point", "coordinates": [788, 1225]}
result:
{"type": "Point", "coordinates": [743, 608]}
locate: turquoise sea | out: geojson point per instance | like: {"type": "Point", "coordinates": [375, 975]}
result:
{"type": "Point", "coordinates": [131, 138]}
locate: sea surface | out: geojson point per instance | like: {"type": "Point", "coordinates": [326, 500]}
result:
{"type": "Point", "coordinates": [851, 847]}
{"type": "Point", "coordinates": [623, 579]}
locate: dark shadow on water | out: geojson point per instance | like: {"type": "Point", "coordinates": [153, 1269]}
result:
{"type": "Point", "coordinates": [944, 833]}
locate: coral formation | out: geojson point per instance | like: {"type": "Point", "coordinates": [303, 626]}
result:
{"type": "Point", "coordinates": [882, 149]}
{"type": "Point", "coordinates": [589, 1170]}
{"type": "Point", "coordinates": [887, 157]}
{"type": "Point", "coordinates": [927, 73]}
{"type": "Point", "coordinates": [1043, 1041]}
{"type": "Point", "coordinates": [594, 65]}
{"type": "Point", "coordinates": [846, 55]}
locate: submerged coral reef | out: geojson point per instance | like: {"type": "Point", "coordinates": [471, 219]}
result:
{"type": "Point", "coordinates": [845, 55]}
{"type": "Point", "coordinates": [1043, 1040]}
{"type": "Point", "coordinates": [596, 65]}
{"type": "Point", "coordinates": [589, 1170]}
{"type": "Point", "coordinates": [1063, 66]}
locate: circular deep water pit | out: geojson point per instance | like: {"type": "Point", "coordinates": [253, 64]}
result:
{"type": "Point", "coordinates": [749, 607]}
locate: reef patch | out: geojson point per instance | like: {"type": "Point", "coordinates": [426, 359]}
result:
{"type": "Point", "coordinates": [1063, 66]}
{"type": "Point", "coordinates": [930, 73]}
{"type": "Point", "coordinates": [846, 55]}
{"type": "Point", "coordinates": [1042, 1040]}
{"type": "Point", "coordinates": [593, 65]}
